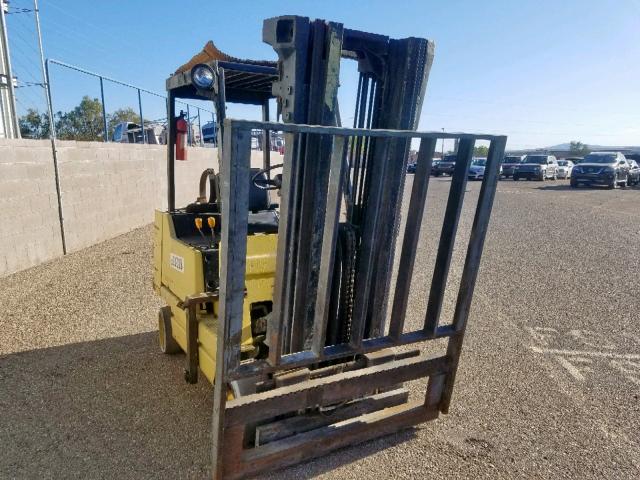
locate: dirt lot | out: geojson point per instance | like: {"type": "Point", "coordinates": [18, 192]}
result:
{"type": "Point", "coordinates": [548, 384]}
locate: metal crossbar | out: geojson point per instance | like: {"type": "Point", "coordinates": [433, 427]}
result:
{"type": "Point", "coordinates": [230, 419]}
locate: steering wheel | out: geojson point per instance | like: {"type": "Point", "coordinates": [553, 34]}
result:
{"type": "Point", "coordinates": [267, 183]}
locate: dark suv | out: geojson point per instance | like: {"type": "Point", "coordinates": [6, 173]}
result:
{"type": "Point", "coordinates": [445, 166]}
{"type": "Point", "coordinates": [509, 164]}
{"type": "Point", "coordinates": [537, 167]}
{"type": "Point", "coordinates": [634, 173]}
{"type": "Point", "coordinates": [601, 168]}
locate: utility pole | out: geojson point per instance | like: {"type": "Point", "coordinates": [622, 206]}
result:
{"type": "Point", "coordinates": [442, 154]}
{"type": "Point", "coordinates": [9, 125]}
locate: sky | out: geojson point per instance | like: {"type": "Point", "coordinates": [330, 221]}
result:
{"type": "Point", "coordinates": [542, 72]}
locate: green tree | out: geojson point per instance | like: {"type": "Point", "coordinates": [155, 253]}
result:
{"type": "Point", "coordinates": [84, 122]}
{"type": "Point", "coordinates": [578, 148]}
{"type": "Point", "coordinates": [34, 124]}
{"type": "Point", "coordinates": [481, 151]}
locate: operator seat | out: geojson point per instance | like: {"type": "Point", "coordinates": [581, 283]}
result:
{"type": "Point", "coordinates": [263, 217]}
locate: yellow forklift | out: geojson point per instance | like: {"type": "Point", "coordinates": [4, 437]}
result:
{"type": "Point", "coordinates": [186, 240]}
{"type": "Point", "coordinates": [288, 307]}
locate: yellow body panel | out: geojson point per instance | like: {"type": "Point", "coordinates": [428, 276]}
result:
{"type": "Point", "coordinates": [178, 273]}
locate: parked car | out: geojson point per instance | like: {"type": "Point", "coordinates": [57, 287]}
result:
{"type": "Point", "coordinates": [476, 169]}
{"type": "Point", "coordinates": [575, 160]}
{"type": "Point", "coordinates": [411, 167]}
{"type": "Point", "coordinates": [130, 132]}
{"type": "Point", "coordinates": [564, 168]}
{"type": "Point", "coordinates": [601, 168]}
{"type": "Point", "coordinates": [444, 166]}
{"type": "Point", "coordinates": [210, 133]}
{"type": "Point", "coordinates": [509, 163]}
{"type": "Point", "coordinates": [537, 167]}
{"type": "Point", "coordinates": [634, 172]}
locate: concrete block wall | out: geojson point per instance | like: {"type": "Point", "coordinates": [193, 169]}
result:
{"type": "Point", "coordinates": [107, 189]}
{"type": "Point", "coordinates": [29, 225]}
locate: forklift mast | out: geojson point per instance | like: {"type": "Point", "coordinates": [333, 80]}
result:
{"type": "Point", "coordinates": [392, 81]}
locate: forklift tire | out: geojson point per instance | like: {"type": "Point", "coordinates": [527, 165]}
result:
{"type": "Point", "coordinates": [166, 341]}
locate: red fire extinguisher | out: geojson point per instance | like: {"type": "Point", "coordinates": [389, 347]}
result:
{"type": "Point", "coordinates": [182, 129]}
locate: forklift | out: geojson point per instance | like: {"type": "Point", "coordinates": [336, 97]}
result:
{"type": "Point", "coordinates": [279, 282]}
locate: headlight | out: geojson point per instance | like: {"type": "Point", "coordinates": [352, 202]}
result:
{"type": "Point", "coordinates": [202, 76]}
{"type": "Point", "coordinates": [576, 170]}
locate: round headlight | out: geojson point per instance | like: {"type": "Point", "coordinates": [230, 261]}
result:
{"type": "Point", "coordinates": [202, 76]}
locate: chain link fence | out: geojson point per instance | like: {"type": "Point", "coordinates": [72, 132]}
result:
{"type": "Point", "coordinates": [132, 115]}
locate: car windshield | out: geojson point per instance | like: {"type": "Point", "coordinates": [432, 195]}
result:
{"type": "Point", "coordinates": [563, 163]}
{"type": "Point", "coordinates": [480, 162]}
{"type": "Point", "coordinates": [450, 158]}
{"type": "Point", "coordinates": [512, 160]}
{"type": "Point", "coordinates": [539, 159]}
{"type": "Point", "coordinates": [600, 158]}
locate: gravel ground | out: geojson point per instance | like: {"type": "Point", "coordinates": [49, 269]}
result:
{"type": "Point", "coordinates": [548, 383]}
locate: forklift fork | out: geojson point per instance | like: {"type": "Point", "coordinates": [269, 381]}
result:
{"type": "Point", "coordinates": [281, 441]}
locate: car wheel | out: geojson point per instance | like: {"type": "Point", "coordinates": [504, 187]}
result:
{"type": "Point", "coordinates": [436, 174]}
{"type": "Point", "coordinates": [515, 179]}
{"type": "Point", "coordinates": [573, 184]}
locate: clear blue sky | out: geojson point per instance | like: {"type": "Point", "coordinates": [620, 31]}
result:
{"type": "Point", "coordinates": [543, 72]}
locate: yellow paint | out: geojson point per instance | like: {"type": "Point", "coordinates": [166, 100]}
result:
{"type": "Point", "coordinates": [178, 273]}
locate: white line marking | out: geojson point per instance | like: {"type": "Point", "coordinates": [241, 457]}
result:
{"type": "Point", "coordinates": [552, 351]}
{"type": "Point", "coordinates": [572, 369]}
{"type": "Point", "coordinates": [630, 370]}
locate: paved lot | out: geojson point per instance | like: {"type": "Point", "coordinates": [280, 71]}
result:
{"type": "Point", "coordinates": [548, 384]}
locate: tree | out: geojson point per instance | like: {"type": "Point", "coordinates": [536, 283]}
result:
{"type": "Point", "coordinates": [84, 122]}
{"type": "Point", "coordinates": [34, 124]}
{"type": "Point", "coordinates": [481, 151]}
{"type": "Point", "coordinates": [578, 148]}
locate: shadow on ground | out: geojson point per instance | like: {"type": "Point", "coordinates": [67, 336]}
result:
{"type": "Point", "coordinates": [116, 408]}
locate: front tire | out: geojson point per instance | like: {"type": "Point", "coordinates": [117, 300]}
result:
{"type": "Point", "coordinates": [515, 179]}
{"type": "Point", "coordinates": [573, 184]}
{"type": "Point", "coordinates": [167, 343]}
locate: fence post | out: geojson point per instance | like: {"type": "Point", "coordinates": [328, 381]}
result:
{"type": "Point", "coordinates": [104, 112]}
{"type": "Point", "coordinates": [200, 127]}
{"type": "Point", "coordinates": [54, 149]}
{"type": "Point", "coordinates": [189, 139]}
{"type": "Point", "coordinates": [144, 137]}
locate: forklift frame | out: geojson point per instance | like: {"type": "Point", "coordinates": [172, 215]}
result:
{"type": "Point", "coordinates": [233, 454]}
{"type": "Point", "coordinates": [234, 82]}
